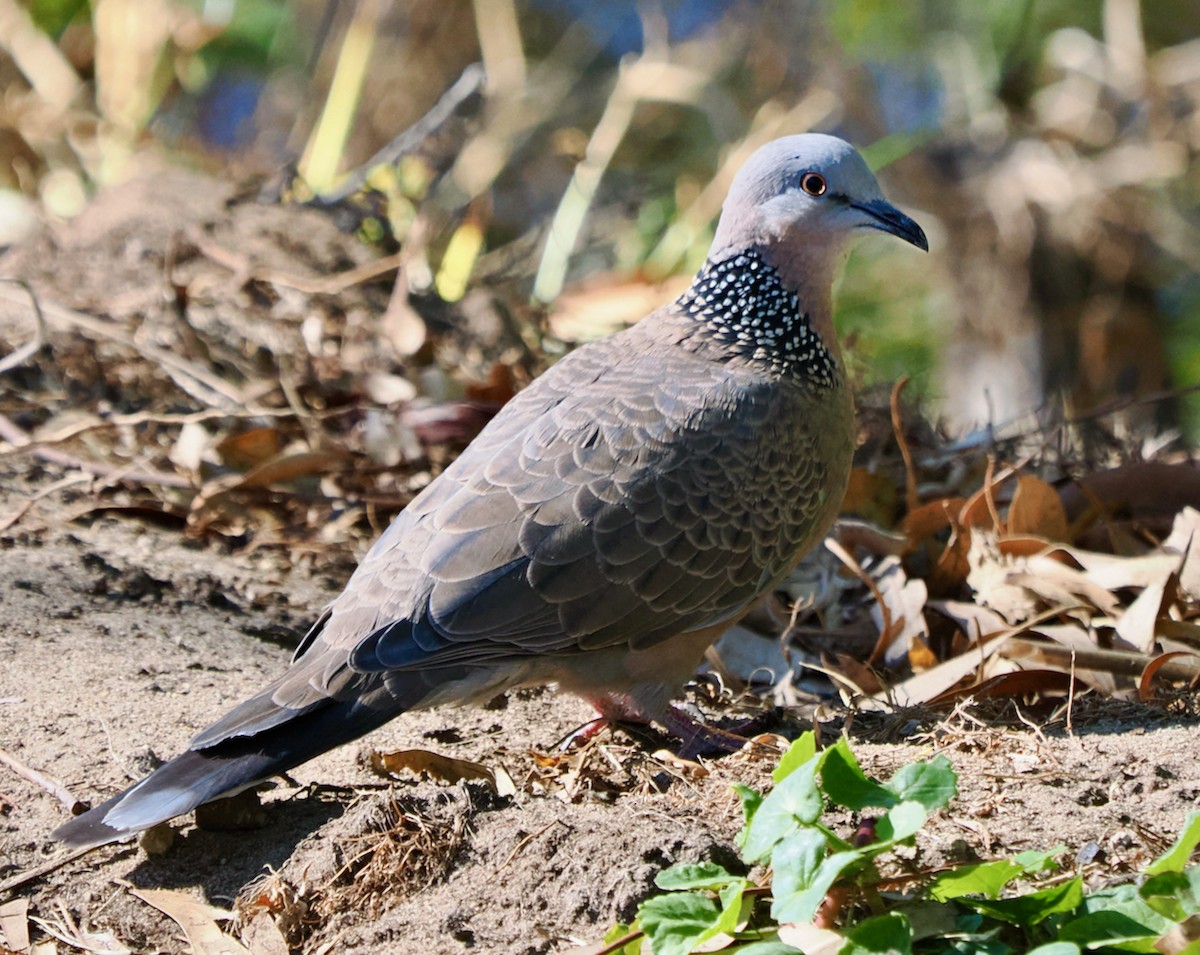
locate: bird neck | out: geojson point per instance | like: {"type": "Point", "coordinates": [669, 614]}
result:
{"type": "Point", "coordinates": [747, 304]}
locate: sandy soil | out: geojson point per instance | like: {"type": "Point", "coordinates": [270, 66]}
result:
{"type": "Point", "coordinates": [119, 642]}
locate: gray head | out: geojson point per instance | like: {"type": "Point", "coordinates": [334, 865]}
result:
{"type": "Point", "coordinates": [807, 189]}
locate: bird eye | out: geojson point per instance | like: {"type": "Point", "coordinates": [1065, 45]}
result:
{"type": "Point", "coordinates": [813, 183]}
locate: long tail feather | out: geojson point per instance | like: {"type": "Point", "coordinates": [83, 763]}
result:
{"type": "Point", "coordinates": [198, 776]}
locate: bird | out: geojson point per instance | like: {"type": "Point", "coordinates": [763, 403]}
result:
{"type": "Point", "coordinates": [608, 524]}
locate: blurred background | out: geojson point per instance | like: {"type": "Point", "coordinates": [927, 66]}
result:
{"type": "Point", "coordinates": [1050, 148]}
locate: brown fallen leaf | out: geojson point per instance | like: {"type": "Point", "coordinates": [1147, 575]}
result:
{"type": "Point", "coordinates": [262, 936]}
{"type": "Point", "coordinates": [439, 766]}
{"type": "Point", "coordinates": [14, 925]}
{"type": "Point", "coordinates": [197, 919]}
{"type": "Point", "coordinates": [1138, 625]}
{"type": "Point", "coordinates": [1037, 510]}
{"type": "Point", "coordinates": [1155, 666]}
{"type": "Point", "coordinates": [248, 449]}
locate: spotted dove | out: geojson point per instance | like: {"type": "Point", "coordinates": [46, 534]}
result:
{"type": "Point", "coordinates": [608, 524]}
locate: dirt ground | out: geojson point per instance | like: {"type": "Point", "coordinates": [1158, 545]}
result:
{"type": "Point", "coordinates": [119, 643]}
{"type": "Point", "coordinates": [120, 639]}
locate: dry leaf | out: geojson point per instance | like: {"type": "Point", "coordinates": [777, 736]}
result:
{"type": "Point", "coordinates": [14, 925]}
{"type": "Point", "coordinates": [905, 603]}
{"type": "Point", "coordinates": [250, 448]}
{"type": "Point", "coordinates": [928, 520]}
{"type": "Point", "coordinates": [1036, 509]}
{"type": "Point", "coordinates": [871, 496]}
{"type": "Point", "coordinates": [1137, 626]}
{"type": "Point", "coordinates": [810, 939]}
{"type": "Point", "coordinates": [1146, 681]}
{"type": "Point", "coordinates": [438, 766]}
{"type": "Point", "coordinates": [197, 919]}
{"type": "Point", "coordinates": [1185, 539]}
{"type": "Point", "coordinates": [262, 936]}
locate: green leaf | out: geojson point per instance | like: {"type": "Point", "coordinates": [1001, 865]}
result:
{"type": "Point", "coordinates": [984, 878]}
{"type": "Point", "coordinates": [619, 931]}
{"type": "Point", "coordinates": [1056, 948]}
{"type": "Point", "coordinates": [989, 878]}
{"type": "Point", "coordinates": [731, 908]}
{"type": "Point", "coordinates": [768, 947]}
{"type": "Point", "coordinates": [804, 874]}
{"type": "Point", "coordinates": [1176, 858]}
{"type": "Point", "coordinates": [932, 784]}
{"type": "Point", "coordinates": [678, 922]}
{"type": "Point", "coordinates": [897, 824]}
{"type": "Point", "coordinates": [1175, 895]}
{"type": "Point", "coordinates": [883, 935]}
{"type": "Point", "coordinates": [751, 800]}
{"type": "Point", "coordinates": [1111, 929]}
{"type": "Point", "coordinates": [847, 785]}
{"type": "Point", "coordinates": [792, 803]}
{"type": "Point", "coordinates": [1034, 907]}
{"type": "Point", "coordinates": [800, 752]}
{"type": "Point", "coordinates": [695, 875]}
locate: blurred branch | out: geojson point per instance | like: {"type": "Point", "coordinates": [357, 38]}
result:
{"type": "Point", "coordinates": [328, 144]}
{"type": "Point", "coordinates": [500, 45]}
{"type": "Point", "coordinates": [36, 56]}
{"type": "Point", "coordinates": [454, 99]}
{"type": "Point", "coordinates": [638, 78]}
{"type": "Point", "coordinates": [19, 356]}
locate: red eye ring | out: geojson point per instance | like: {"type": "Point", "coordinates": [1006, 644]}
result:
{"type": "Point", "coordinates": [813, 183]}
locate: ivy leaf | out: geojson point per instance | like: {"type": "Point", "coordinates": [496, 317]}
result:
{"type": "Point", "coordinates": [1034, 907]}
{"type": "Point", "coordinates": [1176, 858]}
{"type": "Point", "coordinates": [897, 824]}
{"type": "Point", "coordinates": [751, 800]}
{"type": "Point", "coordinates": [695, 875]}
{"type": "Point", "coordinates": [792, 803]}
{"type": "Point", "coordinates": [677, 922]}
{"type": "Point", "coordinates": [932, 784]}
{"type": "Point", "coordinates": [1175, 895]}
{"type": "Point", "coordinates": [847, 785]}
{"type": "Point", "coordinates": [989, 878]}
{"type": "Point", "coordinates": [804, 874]}
{"type": "Point", "coordinates": [803, 749]}
{"type": "Point", "coordinates": [883, 935]}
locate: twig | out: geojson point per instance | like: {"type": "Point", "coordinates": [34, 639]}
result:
{"type": "Point", "coordinates": [38, 871]}
{"type": "Point", "coordinates": [911, 495]}
{"type": "Point", "coordinates": [528, 839]}
{"type": "Point", "coordinates": [617, 945]}
{"type": "Point", "coordinates": [21, 355]}
{"type": "Point", "coordinates": [20, 512]}
{"type": "Point", "coordinates": [21, 441]}
{"type": "Point", "coordinates": [466, 86]}
{"type": "Point", "coordinates": [245, 270]}
{"type": "Point", "coordinates": [52, 786]}
{"type": "Point", "coordinates": [198, 382]}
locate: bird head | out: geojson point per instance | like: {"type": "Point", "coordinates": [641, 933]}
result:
{"type": "Point", "coordinates": [799, 202]}
{"type": "Point", "coordinates": [808, 189]}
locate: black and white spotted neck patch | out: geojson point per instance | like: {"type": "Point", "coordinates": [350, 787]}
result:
{"type": "Point", "coordinates": [745, 306]}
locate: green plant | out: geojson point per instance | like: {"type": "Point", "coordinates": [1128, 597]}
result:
{"type": "Point", "coordinates": [826, 893]}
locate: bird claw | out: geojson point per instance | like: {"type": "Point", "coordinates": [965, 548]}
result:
{"type": "Point", "coordinates": [698, 738]}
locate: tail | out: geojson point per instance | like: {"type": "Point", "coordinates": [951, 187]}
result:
{"type": "Point", "coordinates": [223, 769]}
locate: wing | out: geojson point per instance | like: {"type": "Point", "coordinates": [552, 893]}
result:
{"type": "Point", "coordinates": [614, 505]}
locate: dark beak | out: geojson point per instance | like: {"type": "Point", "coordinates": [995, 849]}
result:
{"type": "Point", "coordinates": [887, 218]}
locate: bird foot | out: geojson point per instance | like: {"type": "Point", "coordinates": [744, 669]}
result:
{"type": "Point", "coordinates": [697, 738]}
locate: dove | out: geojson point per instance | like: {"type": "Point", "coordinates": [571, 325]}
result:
{"type": "Point", "coordinates": [611, 521]}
